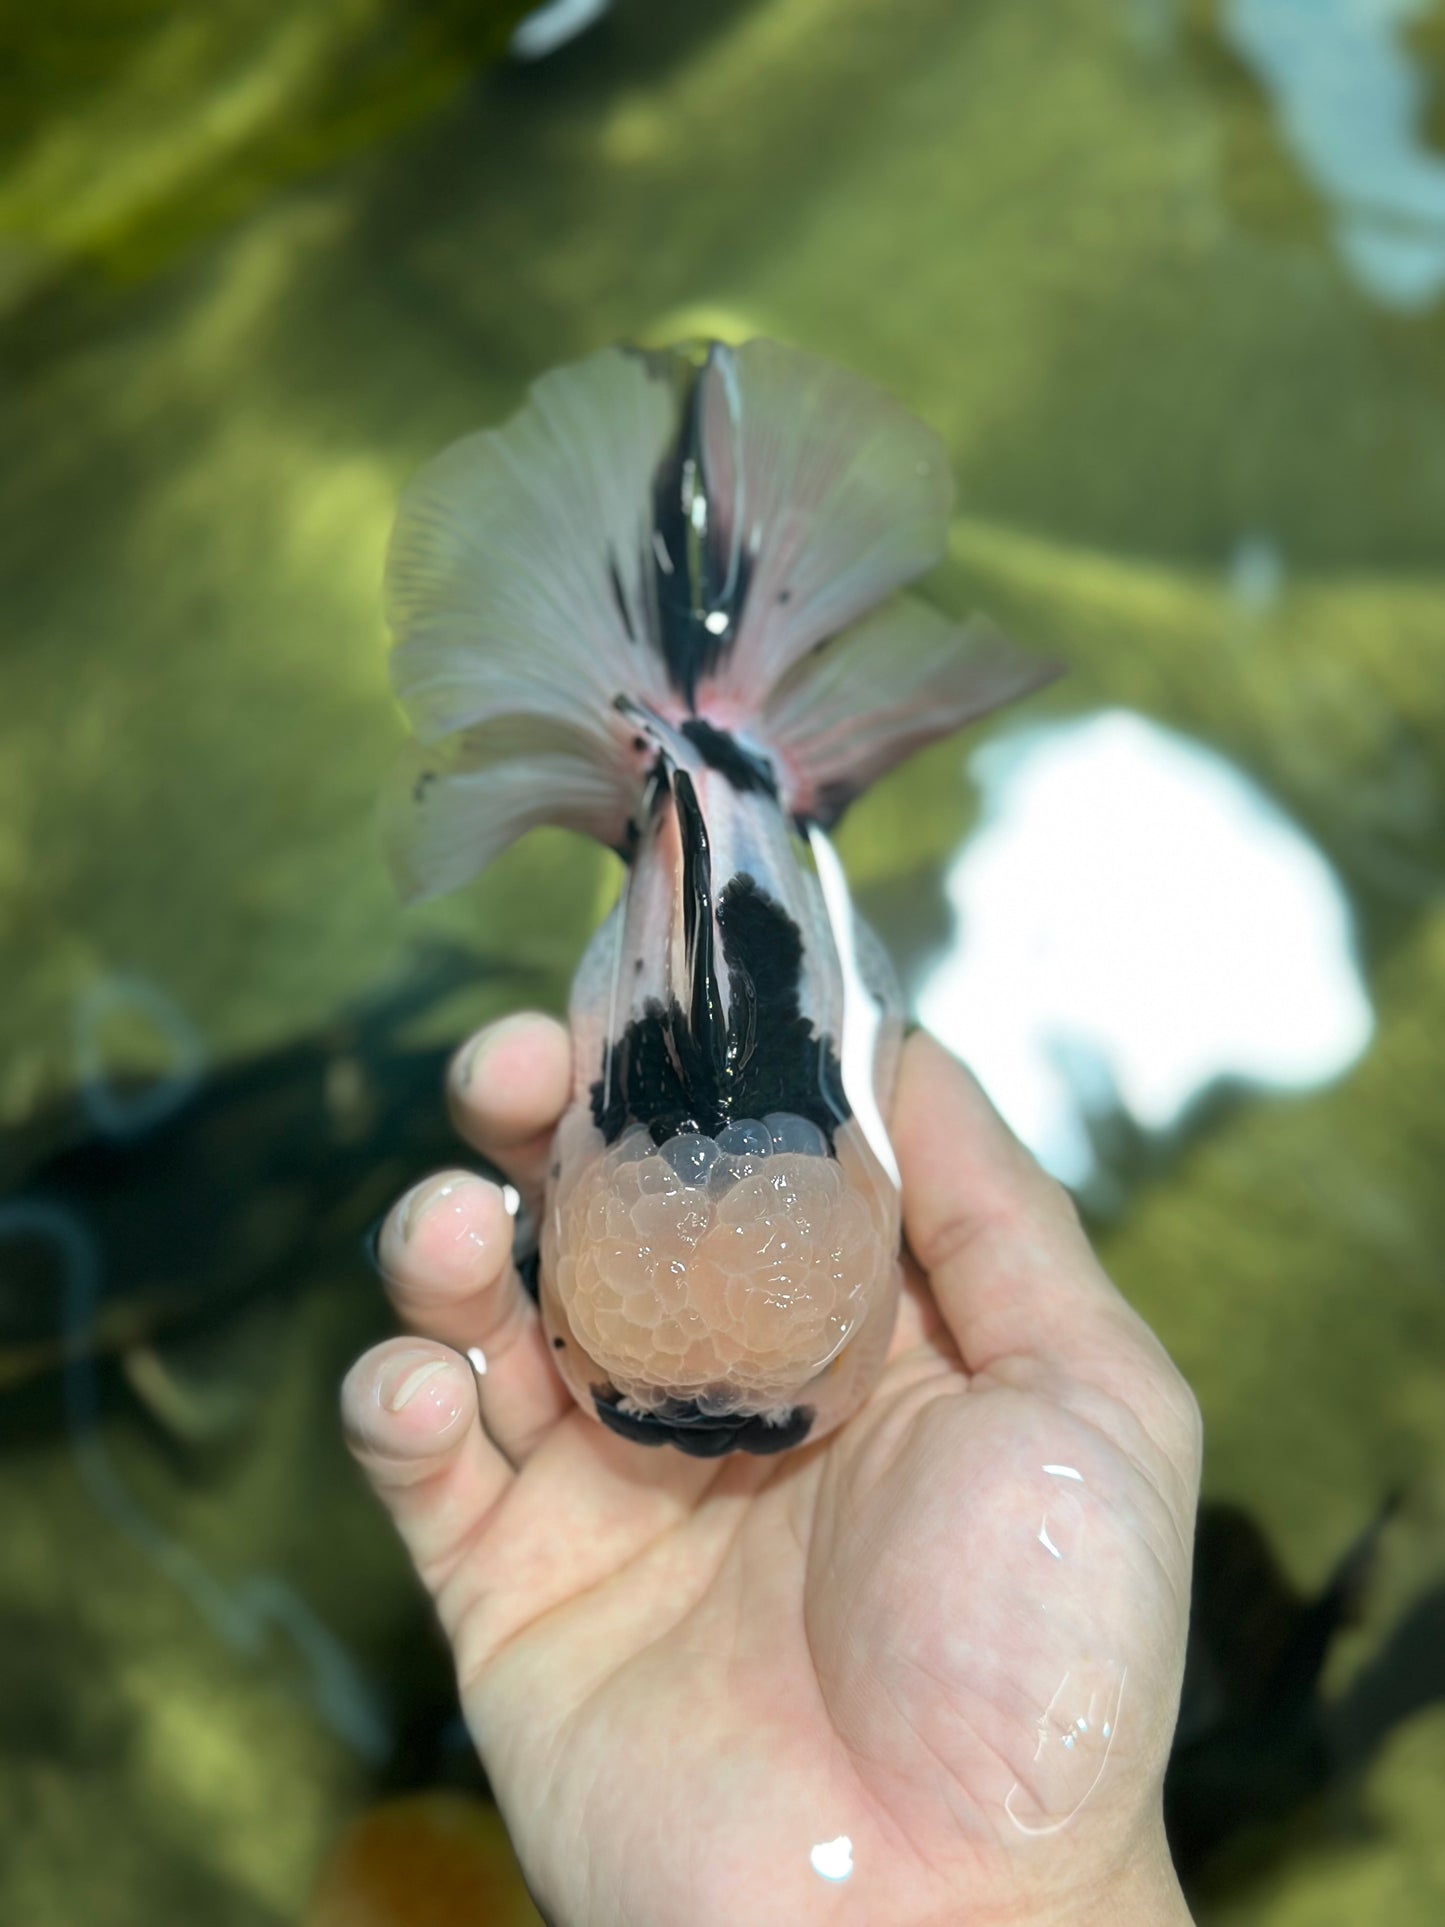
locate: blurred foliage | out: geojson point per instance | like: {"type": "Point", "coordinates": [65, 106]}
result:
{"type": "Point", "coordinates": [130, 128]}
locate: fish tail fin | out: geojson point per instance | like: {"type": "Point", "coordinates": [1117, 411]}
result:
{"type": "Point", "coordinates": [696, 536]}
{"type": "Point", "coordinates": [514, 590]}
{"type": "Point", "coordinates": [866, 700]}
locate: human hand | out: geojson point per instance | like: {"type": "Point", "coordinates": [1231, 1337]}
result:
{"type": "Point", "coordinates": [942, 1648]}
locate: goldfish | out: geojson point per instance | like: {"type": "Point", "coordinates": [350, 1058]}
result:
{"type": "Point", "coordinates": [422, 1860]}
{"type": "Point", "coordinates": [664, 606]}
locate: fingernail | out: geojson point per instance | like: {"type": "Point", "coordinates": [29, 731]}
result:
{"type": "Point", "coordinates": [474, 1057]}
{"type": "Point", "coordinates": [404, 1377]}
{"type": "Point", "coordinates": [419, 1200]}
{"type": "Point", "coordinates": [471, 1057]}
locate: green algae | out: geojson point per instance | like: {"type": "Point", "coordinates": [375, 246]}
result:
{"type": "Point", "coordinates": [243, 307]}
{"type": "Point", "coordinates": [129, 131]}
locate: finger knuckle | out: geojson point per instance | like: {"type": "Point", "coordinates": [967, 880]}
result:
{"type": "Point", "coordinates": [1060, 1204]}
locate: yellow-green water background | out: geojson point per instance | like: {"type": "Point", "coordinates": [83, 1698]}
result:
{"type": "Point", "coordinates": [256, 262]}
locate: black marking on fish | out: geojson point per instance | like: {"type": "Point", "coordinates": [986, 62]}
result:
{"type": "Point", "coordinates": [615, 578]}
{"type": "Point", "coordinates": [745, 769]}
{"type": "Point", "coordinates": [649, 732]}
{"type": "Point", "coordinates": [704, 1014]}
{"type": "Point", "coordinates": [772, 1059]}
{"type": "Point", "coordinates": [699, 584]}
{"type": "Point", "coordinates": [702, 1435]}
{"type": "Point", "coordinates": [627, 847]}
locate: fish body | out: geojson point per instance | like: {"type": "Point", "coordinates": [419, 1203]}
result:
{"type": "Point", "coordinates": [661, 606]}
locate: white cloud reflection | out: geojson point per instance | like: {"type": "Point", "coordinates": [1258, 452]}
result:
{"type": "Point", "coordinates": [1136, 920]}
{"type": "Point", "coordinates": [1351, 102]}
{"type": "Point", "coordinates": [546, 28]}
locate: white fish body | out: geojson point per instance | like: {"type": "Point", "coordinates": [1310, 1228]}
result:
{"type": "Point", "coordinates": [660, 606]}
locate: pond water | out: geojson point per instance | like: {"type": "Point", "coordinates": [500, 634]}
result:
{"type": "Point", "coordinates": [1169, 277]}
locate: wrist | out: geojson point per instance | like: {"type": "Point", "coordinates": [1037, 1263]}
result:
{"type": "Point", "coordinates": [1145, 1892]}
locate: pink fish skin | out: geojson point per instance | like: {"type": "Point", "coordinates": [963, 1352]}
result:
{"type": "Point", "coordinates": [663, 605]}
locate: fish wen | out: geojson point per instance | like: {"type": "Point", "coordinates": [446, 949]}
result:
{"type": "Point", "coordinates": [661, 606]}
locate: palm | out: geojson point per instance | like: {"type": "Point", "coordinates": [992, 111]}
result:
{"type": "Point", "coordinates": [937, 1653]}
{"type": "Point", "coordinates": [851, 1631]}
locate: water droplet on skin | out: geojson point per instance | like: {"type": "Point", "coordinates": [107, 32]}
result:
{"type": "Point", "coordinates": [833, 1859]}
{"type": "Point", "coordinates": [1073, 1736]}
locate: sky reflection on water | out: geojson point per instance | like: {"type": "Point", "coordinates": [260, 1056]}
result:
{"type": "Point", "coordinates": [1351, 105]}
{"type": "Point", "coordinates": [1135, 920]}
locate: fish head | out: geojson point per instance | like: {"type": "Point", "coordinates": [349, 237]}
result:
{"type": "Point", "coordinates": [719, 1290]}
